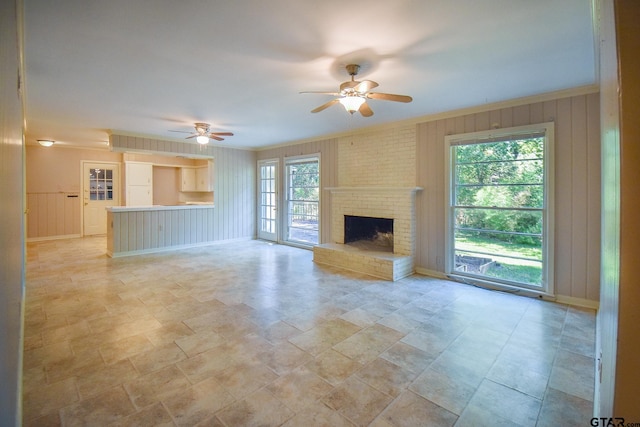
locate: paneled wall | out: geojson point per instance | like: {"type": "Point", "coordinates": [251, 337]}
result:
{"type": "Point", "coordinates": [53, 174]}
{"type": "Point", "coordinates": [577, 174]}
{"type": "Point", "coordinates": [53, 214]}
{"type": "Point", "coordinates": [53, 179]}
{"type": "Point", "coordinates": [577, 183]}
{"type": "Point", "coordinates": [11, 216]}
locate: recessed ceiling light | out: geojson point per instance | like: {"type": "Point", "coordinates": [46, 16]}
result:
{"type": "Point", "coordinates": [46, 142]}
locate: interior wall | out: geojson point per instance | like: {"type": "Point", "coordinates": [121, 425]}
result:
{"type": "Point", "coordinates": [577, 186]}
{"type": "Point", "coordinates": [166, 185]}
{"type": "Point", "coordinates": [53, 185]}
{"type": "Point", "coordinates": [11, 216]}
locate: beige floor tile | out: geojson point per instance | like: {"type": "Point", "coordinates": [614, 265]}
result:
{"type": "Point", "coordinates": [260, 409]}
{"type": "Point", "coordinates": [105, 378]}
{"type": "Point", "coordinates": [102, 409]}
{"type": "Point", "coordinates": [168, 333]}
{"type": "Point", "coordinates": [121, 349]}
{"type": "Point", "coordinates": [333, 367]}
{"type": "Point", "coordinates": [47, 399]}
{"type": "Point", "coordinates": [410, 409]}
{"type": "Point", "coordinates": [449, 393]}
{"type": "Point", "coordinates": [386, 376]}
{"type": "Point", "coordinates": [197, 403]}
{"type": "Point", "coordinates": [216, 336]}
{"type": "Point", "coordinates": [318, 414]}
{"type": "Point", "coordinates": [368, 343]}
{"type": "Point", "coordinates": [151, 416]}
{"type": "Point", "coordinates": [299, 388]}
{"type": "Point", "coordinates": [357, 401]}
{"type": "Point", "coordinates": [245, 378]}
{"type": "Point", "coordinates": [153, 387]}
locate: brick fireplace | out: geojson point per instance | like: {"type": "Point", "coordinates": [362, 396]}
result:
{"type": "Point", "coordinates": [376, 177]}
{"type": "Point", "coordinates": [397, 204]}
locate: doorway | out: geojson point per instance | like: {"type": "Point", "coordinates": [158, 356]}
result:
{"type": "Point", "coordinates": [100, 189]}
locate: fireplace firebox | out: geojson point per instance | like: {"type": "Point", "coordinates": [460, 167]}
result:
{"type": "Point", "coordinates": [369, 233]}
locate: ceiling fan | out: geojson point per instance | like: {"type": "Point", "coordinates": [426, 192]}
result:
{"type": "Point", "coordinates": [203, 133]}
{"type": "Point", "coordinates": [353, 94]}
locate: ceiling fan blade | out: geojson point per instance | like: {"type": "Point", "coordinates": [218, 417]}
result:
{"type": "Point", "coordinates": [191, 136]}
{"type": "Point", "coordinates": [179, 131]}
{"type": "Point", "coordinates": [325, 105]}
{"type": "Point", "coordinates": [365, 110]}
{"type": "Point", "coordinates": [217, 138]}
{"type": "Point", "coordinates": [322, 93]}
{"type": "Point", "coordinates": [221, 133]}
{"type": "Point", "coordinates": [389, 97]}
{"type": "Point", "coordinates": [365, 86]}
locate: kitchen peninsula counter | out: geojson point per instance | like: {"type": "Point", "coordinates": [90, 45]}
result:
{"type": "Point", "coordinates": [133, 230]}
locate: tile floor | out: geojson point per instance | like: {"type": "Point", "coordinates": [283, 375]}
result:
{"type": "Point", "coordinates": [252, 333]}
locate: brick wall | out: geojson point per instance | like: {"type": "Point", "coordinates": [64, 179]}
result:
{"type": "Point", "coordinates": [384, 158]}
{"type": "Point", "coordinates": [377, 178]}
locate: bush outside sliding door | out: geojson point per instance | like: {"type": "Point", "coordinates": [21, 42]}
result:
{"type": "Point", "coordinates": [499, 207]}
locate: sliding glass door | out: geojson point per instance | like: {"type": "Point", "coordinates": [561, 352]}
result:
{"type": "Point", "coordinates": [303, 199]}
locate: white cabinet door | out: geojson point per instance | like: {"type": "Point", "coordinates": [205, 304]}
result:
{"type": "Point", "coordinates": [188, 176]}
{"type": "Point", "coordinates": [139, 184]}
{"type": "Point", "coordinates": [139, 173]}
{"type": "Point", "coordinates": [139, 195]}
{"type": "Point", "coordinates": [203, 180]}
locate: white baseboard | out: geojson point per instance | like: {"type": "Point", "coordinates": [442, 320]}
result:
{"type": "Point", "coordinates": [562, 299]}
{"type": "Point", "coordinates": [579, 302]}
{"type": "Point", "coordinates": [175, 248]}
{"type": "Point", "coordinates": [59, 237]}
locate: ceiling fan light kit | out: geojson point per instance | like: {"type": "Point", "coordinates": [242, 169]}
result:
{"type": "Point", "coordinates": [203, 133]}
{"type": "Point", "coordinates": [352, 103]}
{"type": "Point", "coordinates": [353, 94]}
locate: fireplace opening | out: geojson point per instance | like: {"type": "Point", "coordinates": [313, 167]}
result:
{"type": "Point", "coordinates": [369, 233]}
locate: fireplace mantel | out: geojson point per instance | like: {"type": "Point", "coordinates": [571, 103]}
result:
{"type": "Point", "coordinates": [373, 189]}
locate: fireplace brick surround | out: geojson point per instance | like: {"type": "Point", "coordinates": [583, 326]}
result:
{"type": "Point", "coordinates": [395, 203]}
{"type": "Point", "coordinates": [376, 178]}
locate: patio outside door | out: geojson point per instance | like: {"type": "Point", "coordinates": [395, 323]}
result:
{"type": "Point", "coordinates": [268, 200]}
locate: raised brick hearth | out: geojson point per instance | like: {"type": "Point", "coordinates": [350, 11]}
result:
{"type": "Point", "coordinates": [394, 203]}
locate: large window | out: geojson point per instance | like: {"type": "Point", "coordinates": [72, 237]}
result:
{"type": "Point", "coordinates": [500, 207]}
{"type": "Point", "coordinates": [303, 199]}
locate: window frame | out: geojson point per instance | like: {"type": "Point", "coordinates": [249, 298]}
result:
{"type": "Point", "coordinates": [548, 213]}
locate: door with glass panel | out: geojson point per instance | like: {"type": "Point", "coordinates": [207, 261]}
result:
{"type": "Point", "coordinates": [101, 184]}
{"type": "Point", "coordinates": [268, 200]}
{"type": "Point", "coordinates": [303, 200]}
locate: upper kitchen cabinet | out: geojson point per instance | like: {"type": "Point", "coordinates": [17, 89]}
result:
{"type": "Point", "coordinates": [197, 178]}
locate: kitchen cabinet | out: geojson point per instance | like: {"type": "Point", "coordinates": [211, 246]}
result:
{"type": "Point", "coordinates": [196, 178]}
{"type": "Point", "coordinates": [139, 184]}
{"type": "Point", "coordinates": [188, 179]}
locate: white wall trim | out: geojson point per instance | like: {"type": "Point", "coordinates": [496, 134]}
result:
{"type": "Point", "coordinates": [58, 237]}
{"type": "Point", "coordinates": [578, 302]}
{"type": "Point", "coordinates": [542, 97]}
{"type": "Point", "coordinates": [176, 247]}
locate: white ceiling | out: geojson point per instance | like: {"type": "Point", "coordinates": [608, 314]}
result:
{"type": "Point", "coordinates": [146, 67]}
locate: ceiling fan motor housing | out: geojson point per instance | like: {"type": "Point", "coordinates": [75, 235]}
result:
{"type": "Point", "coordinates": [202, 128]}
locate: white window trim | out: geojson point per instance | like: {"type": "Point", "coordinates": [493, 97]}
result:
{"type": "Point", "coordinates": [548, 275]}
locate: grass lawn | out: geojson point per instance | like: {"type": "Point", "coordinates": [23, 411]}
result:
{"type": "Point", "coordinates": [515, 270]}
